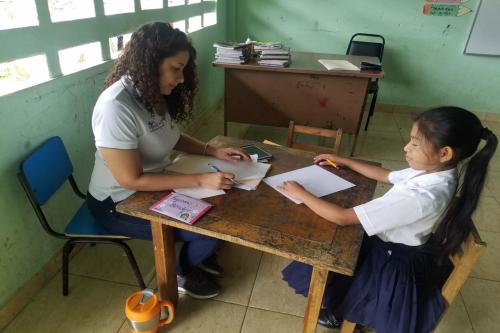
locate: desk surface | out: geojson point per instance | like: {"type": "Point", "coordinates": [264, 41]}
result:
{"type": "Point", "coordinates": [307, 62]}
{"type": "Point", "coordinates": [266, 220]}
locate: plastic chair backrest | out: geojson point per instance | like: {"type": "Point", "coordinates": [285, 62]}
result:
{"type": "Point", "coordinates": [363, 48]}
{"type": "Point", "coordinates": [47, 169]}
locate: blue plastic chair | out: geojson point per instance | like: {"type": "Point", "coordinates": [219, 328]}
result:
{"type": "Point", "coordinates": [369, 49]}
{"type": "Point", "coordinates": [41, 175]}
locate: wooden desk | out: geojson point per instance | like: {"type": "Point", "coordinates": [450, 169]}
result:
{"type": "Point", "coordinates": [305, 92]}
{"type": "Point", "coordinates": [265, 220]}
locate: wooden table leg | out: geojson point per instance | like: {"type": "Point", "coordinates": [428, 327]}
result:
{"type": "Point", "coordinates": [166, 276]}
{"type": "Point", "coordinates": [314, 300]}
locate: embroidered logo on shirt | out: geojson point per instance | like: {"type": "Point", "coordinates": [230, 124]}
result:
{"type": "Point", "coordinates": [155, 124]}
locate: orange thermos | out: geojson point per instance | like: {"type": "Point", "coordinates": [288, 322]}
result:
{"type": "Point", "coordinates": [143, 309]}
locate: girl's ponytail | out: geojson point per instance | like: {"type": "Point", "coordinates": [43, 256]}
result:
{"type": "Point", "coordinates": [456, 223]}
{"type": "Point", "coordinates": [462, 131]}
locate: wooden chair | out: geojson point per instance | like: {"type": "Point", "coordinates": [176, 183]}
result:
{"type": "Point", "coordinates": [473, 248]}
{"type": "Point", "coordinates": [322, 132]}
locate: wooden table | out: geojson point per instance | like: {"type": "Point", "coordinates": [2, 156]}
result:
{"type": "Point", "coordinates": [267, 221]}
{"type": "Point", "coordinates": [305, 92]}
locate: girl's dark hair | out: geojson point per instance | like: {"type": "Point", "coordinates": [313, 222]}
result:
{"type": "Point", "coordinates": [140, 61]}
{"type": "Point", "coordinates": [462, 131]}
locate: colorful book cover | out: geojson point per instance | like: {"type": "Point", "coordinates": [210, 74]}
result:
{"type": "Point", "coordinates": [181, 207]}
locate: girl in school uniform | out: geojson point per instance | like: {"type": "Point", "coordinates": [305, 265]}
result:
{"type": "Point", "coordinates": [410, 231]}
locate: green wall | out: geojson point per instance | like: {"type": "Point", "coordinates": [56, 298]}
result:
{"type": "Point", "coordinates": [423, 60]}
{"type": "Point", "coordinates": [63, 106]}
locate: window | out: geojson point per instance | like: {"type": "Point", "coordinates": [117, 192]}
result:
{"type": "Point", "coordinates": [181, 25]}
{"type": "Point", "coordinates": [194, 23]}
{"type": "Point", "coordinates": [17, 14]}
{"type": "Point", "coordinates": [112, 7]}
{"type": "Point", "coordinates": [172, 3]}
{"type": "Point", "coordinates": [80, 57]}
{"type": "Point", "coordinates": [209, 19]}
{"type": "Point", "coordinates": [116, 44]}
{"type": "Point", "coordinates": [68, 10]}
{"type": "Point", "coordinates": [151, 4]}
{"type": "Point", "coordinates": [190, 2]}
{"type": "Point", "coordinates": [23, 73]}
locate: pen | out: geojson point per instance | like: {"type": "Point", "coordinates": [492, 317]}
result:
{"type": "Point", "coordinates": [216, 169]}
{"type": "Point", "coordinates": [332, 164]}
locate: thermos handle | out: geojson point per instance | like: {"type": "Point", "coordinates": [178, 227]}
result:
{"type": "Point", "coordinates": [170, 309]}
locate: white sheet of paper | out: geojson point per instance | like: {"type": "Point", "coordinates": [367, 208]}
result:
{"type": "Point", "coordinates": [199, 192]}
{"type": "Point", "coordinates": [343, 65]}
{"type": "Point", "coordinates": [242, 170]}
{"type": "Point", "coordinates": [314, 179]}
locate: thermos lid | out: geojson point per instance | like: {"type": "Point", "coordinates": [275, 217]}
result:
{"type": "Point", "coordinates": [142, 306]}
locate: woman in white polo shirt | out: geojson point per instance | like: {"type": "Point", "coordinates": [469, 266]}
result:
{"type": "Point", "coordinates": [410, 231]}
{"type": "Point", "coordinates": [151, 88]}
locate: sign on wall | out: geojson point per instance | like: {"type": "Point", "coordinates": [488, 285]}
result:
{"type": "Point", "coordinates": [445, 8]}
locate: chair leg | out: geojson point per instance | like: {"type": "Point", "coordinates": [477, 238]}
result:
{"type": "Point", "coordinates": [133, 263]}
{"type": "Point", "coordinates": [372, 108]}
{"type": "Point", "coordinates": [347, 327]}
{"type": "Point", "coordinates": [68, 247]}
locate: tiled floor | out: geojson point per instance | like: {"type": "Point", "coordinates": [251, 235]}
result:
{"type": "Point", "coordinates": [254, 299]}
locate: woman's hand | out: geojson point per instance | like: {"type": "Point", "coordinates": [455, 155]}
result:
{"type": "Point", "coordinates": [229, 153]}
{"type": "Point", "coordinates": [216, 180]}
{"type": "Point", "coordinates": [321, 159]}
{"type": "Point", "coordinates": [293, 189]}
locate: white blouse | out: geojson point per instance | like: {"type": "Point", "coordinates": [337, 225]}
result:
{"type": "Point", "coordinates": [410, 211]}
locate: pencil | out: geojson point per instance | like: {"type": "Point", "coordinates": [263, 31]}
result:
{"type": "Point", "coordinates": [216, 169]}
{"type": "Point", "coordinates": [332, 164]}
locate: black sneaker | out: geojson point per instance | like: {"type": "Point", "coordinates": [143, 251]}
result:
{"type": "Point", "coordinates": [211, 266]}
{"type": "Point", "coordinates": [327, 319]}
{"type": "Point", "coordinates": [197, 285]}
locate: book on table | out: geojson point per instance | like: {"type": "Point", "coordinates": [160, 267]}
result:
{"type": "Point", "coordinates": [181, 207]}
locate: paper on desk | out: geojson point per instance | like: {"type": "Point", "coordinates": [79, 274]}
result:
{"type": "Point", "coordinates": [314, 179]}
{"type": "Point", "coordinates": [199, 192]}
{"type": "Point", "coordinates": [343, 65]}
{"type": "Point", "coordinates": [242, 170]}
{"type": "Point", "coordinates": [247, 174]}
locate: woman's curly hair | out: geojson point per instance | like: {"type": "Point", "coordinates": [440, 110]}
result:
{"type": "Point", "coordinates": [140, 62]}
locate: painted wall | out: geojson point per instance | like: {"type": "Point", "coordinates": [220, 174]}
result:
{"type": "Point", "coordinates": [423, 60]}
{"type": "Point", "coordinates": [63, 107]}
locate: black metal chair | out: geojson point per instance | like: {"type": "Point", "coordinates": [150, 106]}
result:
{"type": "Point", "coordinates": [41, 175]}
{"type": "Point", "coordinates": [370, 49]}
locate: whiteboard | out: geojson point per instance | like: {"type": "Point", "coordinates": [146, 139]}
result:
{"type": "Point", "coordinates": [484, 36]}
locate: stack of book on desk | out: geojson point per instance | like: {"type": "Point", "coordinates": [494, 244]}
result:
{"type": "Point", "coordinates": [272, 54]}
{"type": "Point", "coordinates": [232, 53]}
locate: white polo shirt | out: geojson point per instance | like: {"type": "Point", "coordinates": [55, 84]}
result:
{"type": "Point", "coordinates": [410, 211]}
{"type": "Point", "coordinates": [120, 121]}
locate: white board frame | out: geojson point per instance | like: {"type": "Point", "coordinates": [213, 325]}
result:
{"type": "Point", "coordinates": [484, 36]}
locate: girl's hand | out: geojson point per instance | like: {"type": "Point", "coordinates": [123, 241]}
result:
{"type": "Point", "coordinates": [229, 152]}
{"type": "Point", "coordinates": [293, 189]}
{"type": "Point", "coordinates": [321, 159]}
{"type": "Point", "coordinates": [216, 180]}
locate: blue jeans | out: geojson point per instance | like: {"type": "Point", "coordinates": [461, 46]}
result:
{"type": "Point", "coordinates": [195, 250]}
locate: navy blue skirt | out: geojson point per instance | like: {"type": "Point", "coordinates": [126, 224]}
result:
{"type": "Point", "coordinates": [395, 288]}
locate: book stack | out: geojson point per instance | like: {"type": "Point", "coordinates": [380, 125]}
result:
{"type": "Point", "coordinates": [272, 54]}
{"type": "Point", "coordinates": [232, 53]}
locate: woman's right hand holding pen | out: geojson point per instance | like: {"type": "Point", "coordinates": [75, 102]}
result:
{"type": "Point", "coordinates": [216, 180]}
{"type": "Point", "coordinates": [330, 159]}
